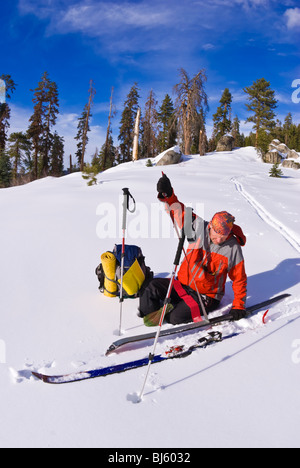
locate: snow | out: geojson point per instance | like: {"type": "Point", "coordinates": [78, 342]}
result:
{"type": "Point", "coordinates": [243, 392]}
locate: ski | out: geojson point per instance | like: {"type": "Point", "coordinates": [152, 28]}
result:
{"type": "Point", "coordinates": [172, 353]}
{"type": "Point", "coordinates": [117, 345]}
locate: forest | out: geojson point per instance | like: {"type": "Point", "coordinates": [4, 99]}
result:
{"type": "Point", "coordinates": [38, 151]}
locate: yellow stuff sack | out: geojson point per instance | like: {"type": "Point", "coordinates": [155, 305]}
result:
{"type": "Point", "coordinates": [109, 264]}
{"type": "Point", "coordinates": [133, 279]}
{"type": "Point", "coordinates": [135, 271]}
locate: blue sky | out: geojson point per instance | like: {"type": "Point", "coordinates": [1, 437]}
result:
{"type": "Point", "coordinates": [117, 43]}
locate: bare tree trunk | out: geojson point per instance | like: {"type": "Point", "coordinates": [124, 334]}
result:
{"type": "Point", "coordinates": [136, 136]}
{"type": "Point", "coordinates": [36, 156]}
{"type": "Point", "coordinates": [201, 143]}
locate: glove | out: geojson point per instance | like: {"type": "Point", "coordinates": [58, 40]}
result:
{"type": "Point", "coordinates": [164, 187]}
{"type": "Point", "coordinates": [237, 314]}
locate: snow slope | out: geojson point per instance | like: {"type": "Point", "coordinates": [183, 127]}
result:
{"type": "Point", "coordinates": [243, 392]}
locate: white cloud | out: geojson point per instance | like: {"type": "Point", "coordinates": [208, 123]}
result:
{"type": "Point", "coordinates": [123, 28]}
{"type": "Point", "coordinates": [284, 98]}
{"type": "Point", "coordinates": [97, 18]}
{"type": "Point", "coordinates": [119, 27]}
{"type": "Point", "coordinates": [246, 127]}
{"type": "Point", "coordinates": [208, 46]}
{"type": "Point", "coordinates": [292, 16]}
{"type": "Point", "coordinates": [239, 96]}
{"type": "Point", "coordinates": [19, 118]}
{"type": "Point", "coordinates": [246, 4]}
{"type": "Point", "coordinates": [100, 16]}
{"type": "Point", "coordinates": [66, 127]}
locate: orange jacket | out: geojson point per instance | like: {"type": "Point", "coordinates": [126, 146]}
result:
{"type": "Point", "coordinates": [207, 265]}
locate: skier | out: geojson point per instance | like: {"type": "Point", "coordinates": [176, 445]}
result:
{"type": "Point", "coordinates": [213, 254]}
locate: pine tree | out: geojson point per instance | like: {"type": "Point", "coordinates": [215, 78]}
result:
{"type": "Point", "coordinates": [288, 122]}
{"type": "Point", "coordinates": [50, 120]}
{"type": "Point", "coordinates": [275, 171]}
{"type": "Point", "coordinates": [239, 139]}
{"type": "Point", "coordinates": [8, 88]}
{"type": "Point", "coordinates": [191, 106]}
{"type": "Point", "coordinates": [294, 137]}
{"type": "Point", "coordinates": [4, 124]}
{"type": "Point", "coordinates": [250, 139]}
{"type": "Point", "coordinates": [35, 131]}
{"type": "Point", "coordinates": [167, 118]}
{"type": "Point", "coordinates": [44, 117]}
{"type": "Point", "coordinates": [278, 131]}
{"type": "Point", "coordinates": [84, 127]}
{"type": "Point", "coordinates": [19, 152]}
{"type": "Point", "coordinates": [107, 155]}
{"type": "Point", "coordinates": [5, 169]}
{"type": "Point", "coordinates": [91, 170]}
{"type": "Point", "coordinates": [262, 104]}
{"type": "Point", "coordinates": [127, 124]}
{"type": "Point", "coordinates": [56, 161]}
{"type": "Point", "coordinates": [222, 118]}
{"type": "Point", "coordinates": [90, 173]}
{"type": "Point", "coordinates": [150, 127]}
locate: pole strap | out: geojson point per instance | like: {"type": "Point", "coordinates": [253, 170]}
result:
{"type": "Point", "coordinates": [128, 195]}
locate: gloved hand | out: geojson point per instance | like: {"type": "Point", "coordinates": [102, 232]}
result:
{"type": "Point", "coordinates": [237, 314]}
{"type": "Point", "coordinates": [164, 187]}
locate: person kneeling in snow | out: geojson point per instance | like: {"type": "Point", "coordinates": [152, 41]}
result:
{"type": "Point", "coordinates": [213, 254]}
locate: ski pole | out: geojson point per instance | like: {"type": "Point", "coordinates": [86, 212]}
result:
{"type": "Point", "coordinates": [126, 195]}
{"type": "Point", "coordinates": [166, 302]}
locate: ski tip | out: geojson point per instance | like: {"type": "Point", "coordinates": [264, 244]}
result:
{"type": "Point", "coordinates": [38, 376]}
{"type": "Point", "coordinates": [265, 319]}
{"type": "Point", "coordinates": [110, 350]}
{"type": "Point", "coordinates": [284, 296]}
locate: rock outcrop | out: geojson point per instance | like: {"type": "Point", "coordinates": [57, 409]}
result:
{"type": "Point", "coordinates": [279, 153]}
{"type": "Point", "coordinates": [171, 156]}
{"type": "Point", "coordinates": [225, 143]}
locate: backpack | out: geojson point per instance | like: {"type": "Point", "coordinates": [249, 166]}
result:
{"type": "Point", "coordinates": [136, 273]}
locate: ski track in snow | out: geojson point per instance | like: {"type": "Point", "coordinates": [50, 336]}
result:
{"type": "Point", "coordinates": [267, 217]}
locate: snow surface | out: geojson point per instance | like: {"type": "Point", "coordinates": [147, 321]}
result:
{"type": "Point", "coordinates": [244, 392]}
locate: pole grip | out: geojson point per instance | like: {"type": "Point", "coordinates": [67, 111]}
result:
{"type": "Point", "coordinates": [125, 191]}
{"type": "Point", "coordinates": [125, 206]}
